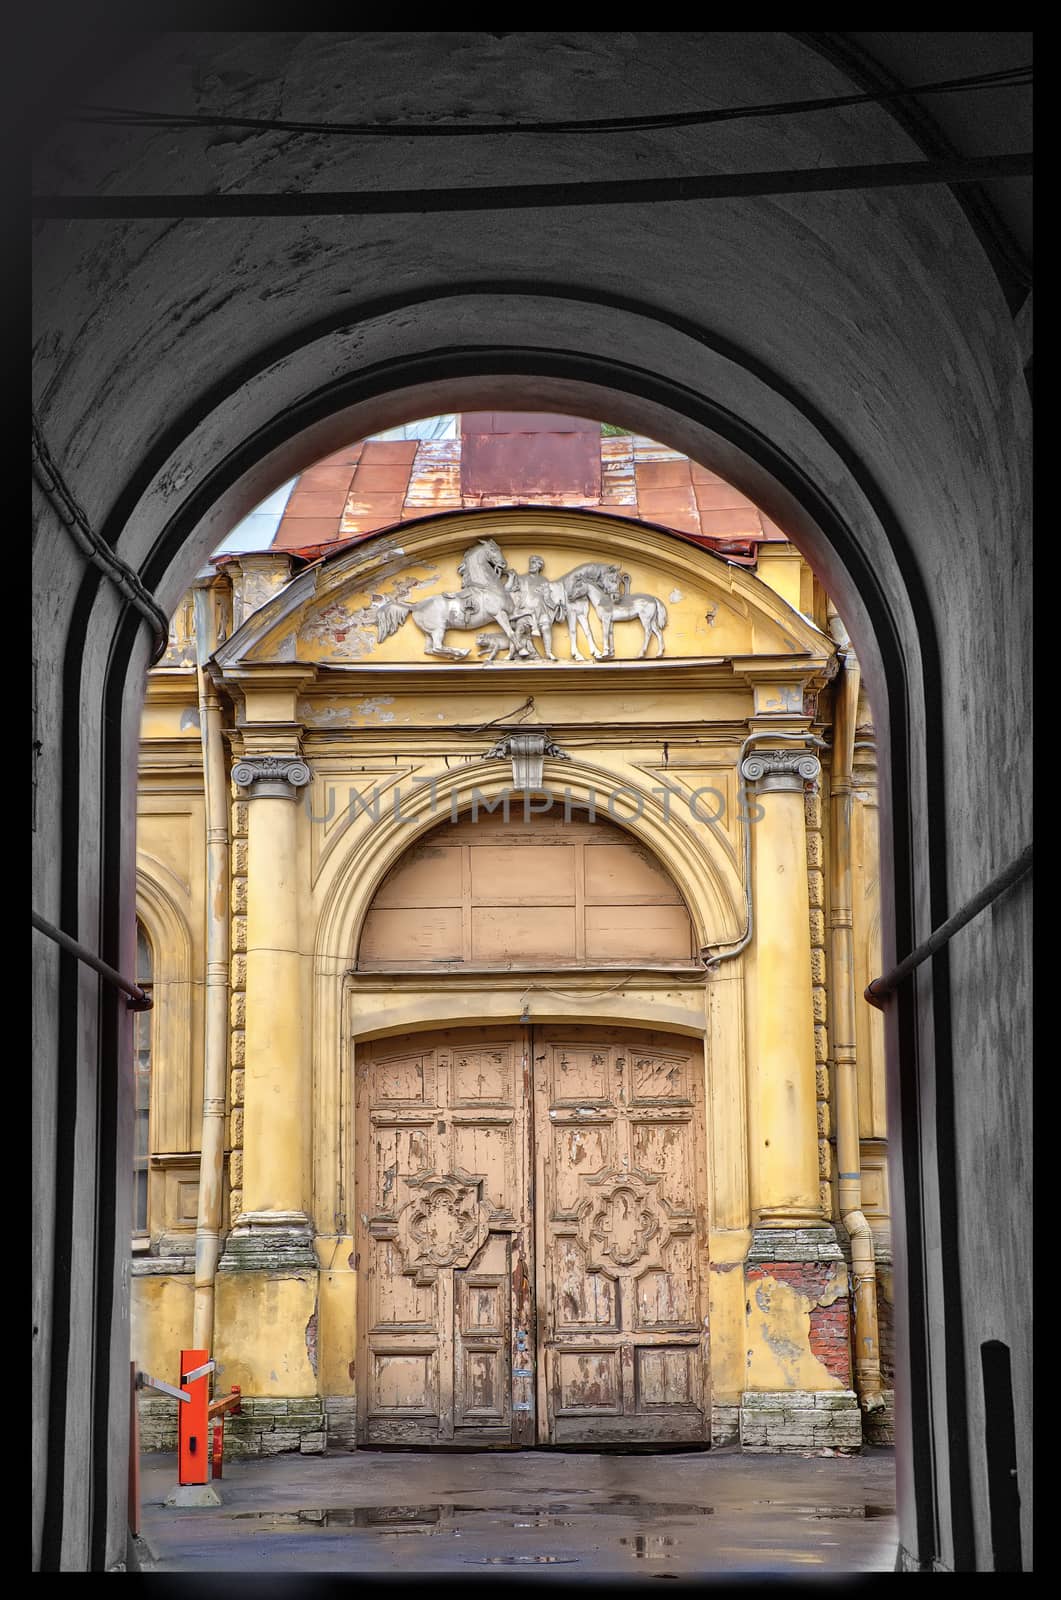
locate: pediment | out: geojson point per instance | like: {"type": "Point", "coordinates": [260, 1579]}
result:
{"type": "Point", "coordinates": [444, 589]}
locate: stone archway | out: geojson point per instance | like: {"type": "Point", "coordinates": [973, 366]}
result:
{"type": "Point", "coordinates": [181, 525]}
{"type": "Point", "coordinates": [888, 500]}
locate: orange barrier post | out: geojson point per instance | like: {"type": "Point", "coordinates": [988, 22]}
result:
{"type": "Point", "coordinates": [218, 1408]}
{"type": "Point", "coordinates": [193, 1451]}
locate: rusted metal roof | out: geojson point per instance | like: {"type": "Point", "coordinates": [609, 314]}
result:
{"type": "Point", "coordinates": [517, 458]}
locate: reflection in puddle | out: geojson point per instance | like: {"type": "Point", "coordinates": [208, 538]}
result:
{"type": "Point", "coordinates": [649, 1546]}
{"type": "Point", "coordinates": [867, 1512]}
{"type": "Point", "coordinates": [519, 1561]}
{"type": "Point", "coordinates": [385, 1519]}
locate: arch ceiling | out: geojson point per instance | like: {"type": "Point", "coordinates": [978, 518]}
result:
{"type": "Point", "coordinates": [839, 294]}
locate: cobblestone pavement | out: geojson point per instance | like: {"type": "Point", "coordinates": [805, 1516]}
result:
{"type": "Point", "coordinates": [551, 1515]}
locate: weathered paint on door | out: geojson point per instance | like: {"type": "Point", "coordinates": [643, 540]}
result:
{"type": "Point", "coordinates": [444, 1239]}
{"type": "Point", "coordinates": [621, 1231]}
{"type": "Point", "coordinates": [472, 1333]}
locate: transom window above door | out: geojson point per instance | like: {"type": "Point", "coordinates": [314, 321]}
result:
{"type": "Point", "coordinates": [541, 892]}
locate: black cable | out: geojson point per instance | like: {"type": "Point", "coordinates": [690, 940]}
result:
{"type": "Point", "coordinates": [75, 519]}
{"type": "Point", "coordinates": [122, 116]}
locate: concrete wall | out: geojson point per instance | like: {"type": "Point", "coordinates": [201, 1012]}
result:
{"type": "Point", "coordinates": [847, 360]}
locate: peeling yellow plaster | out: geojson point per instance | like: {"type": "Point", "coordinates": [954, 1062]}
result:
{"type": "Point", "coordinates": [260, 1320]}
{"type": "Point", "coordinates": [160, 1318]}
{"type": "Point", "coordinates": [337, 1335]}
{"type": "Point", "coordinates": [726, 1302]}
{"type": "Point", "coordinates": [779, 1355]}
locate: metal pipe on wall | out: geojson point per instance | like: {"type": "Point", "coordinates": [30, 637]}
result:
{"type": "Point", "coordinates": [216, 1025]}
{"type": "Point", "coordinates": [848, 1149]}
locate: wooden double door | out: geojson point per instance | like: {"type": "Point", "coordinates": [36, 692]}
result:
{"type": "Point", "coordinates": [531, 1238]}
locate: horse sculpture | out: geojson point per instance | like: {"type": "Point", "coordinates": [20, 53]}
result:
{"type": "Point", "coordinates": [525, 606]}
{"type": "Point", "coordinates": [539, 602]}
{"type": "Point", "coordinates": [572, 595]}
{"type": "Point", "coordinates": [484, 598]}
{"type": "Point", "coordinates": [613, 603]}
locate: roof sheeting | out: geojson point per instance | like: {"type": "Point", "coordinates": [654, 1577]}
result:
{"type": "Point", "coordinates": [378, 483]}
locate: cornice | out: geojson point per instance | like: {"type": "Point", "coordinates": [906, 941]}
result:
{"type": "Point", "coordinates": [580, 978]}
{"type": "Point", "coordinates": [427, 738]}
{"type": "Point", "coordinates": [166, 687]}
{"type": "Point", "coordinates": [592, 678]}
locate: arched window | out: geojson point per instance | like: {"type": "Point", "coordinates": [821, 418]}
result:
{"type": "Point", "coordinates": [545, 891]}
{"type": "Point", "coordinates": [145, 972]}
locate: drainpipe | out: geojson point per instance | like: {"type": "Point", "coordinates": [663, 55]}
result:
{"type": "Point", "coordinates": [215, 1063]}
{"type": "Point", "coordinates": [713, 961]}
{"type": "Point", "coordinates": [848, 1149]}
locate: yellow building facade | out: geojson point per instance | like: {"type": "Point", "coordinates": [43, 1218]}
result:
{"type": "Point", "coordinates": [511, 1081]}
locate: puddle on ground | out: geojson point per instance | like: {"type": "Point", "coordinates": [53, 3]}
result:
{"type": "Point", "coordinates": [385, 1519]}
{"type": "Point", "coordinates": [520, 1561]}
{"type": "Point", "coordinates": [434, 1518]}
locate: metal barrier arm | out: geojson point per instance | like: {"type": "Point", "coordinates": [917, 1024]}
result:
{"type": "Point", "coordinates": [199, 1372]}
{"type": "Point", "coordinates": [144, 1380]}
{"type": "Point", "coordinates": [227, 1402]}
{"type": "Point", "coordinates": [138, 999]}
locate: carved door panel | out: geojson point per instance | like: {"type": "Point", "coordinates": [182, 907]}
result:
{"type": "Point", "coordinates": [444, 1240]}
{"type": "Point", "coordinates": [621, 1237]}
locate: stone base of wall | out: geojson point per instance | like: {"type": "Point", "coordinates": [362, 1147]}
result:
{"type": "Point", "coordinates": [878, 1427]}
{"type": "Point", "coordinates": [800, 1420]}
{"type": "Point", "coordinates": [725, 1424]}
{"type": "Point", "coordinates": [777, 1421]}
{"type": "Point", "coordinates": [158, 1422]}
{"type": "Point", "coordinates": [266, 1427]}
{"type": "Point", "coordinates": [340, 1413]}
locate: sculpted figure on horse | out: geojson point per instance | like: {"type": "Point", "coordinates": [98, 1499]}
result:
{"type": "Point", "coordinates": [483, 598]}
{"type": "Point", "coordinates": [525, 606]}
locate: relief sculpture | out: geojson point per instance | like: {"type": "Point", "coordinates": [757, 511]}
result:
{"type": "Point", "coordinates": [526, 606]}
{"type": "Point", "coordinates": [623, 1224]}
{"type": "Point", "coordinates": [442, 1224]}
{"type": "Point", "coordinates": [483, 598]}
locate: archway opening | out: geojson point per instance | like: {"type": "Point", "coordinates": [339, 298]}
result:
{"type": "Point", "coordinates": [201, 517]}
{"type": "Point", "coordinates": [479, 900]}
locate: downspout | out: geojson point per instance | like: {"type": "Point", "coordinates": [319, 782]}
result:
{"type": "Point", "coordinates": [848, 1149]}
{"type": "Point", "coordinates": [215, 1058]}
{"type": "Point", "coordinates": [712, 961]}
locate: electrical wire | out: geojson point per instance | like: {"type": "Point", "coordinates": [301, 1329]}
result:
{"type": "Point", "coordinates": [521, 711]}
{"type": "Point", "coordinates": [125, 116]}
{"type": "Point", "coordinates": [75, 519]}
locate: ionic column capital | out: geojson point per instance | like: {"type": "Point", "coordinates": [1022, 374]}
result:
{"type": "Point", "coordinates": [271, 777]}
{"type": "Point", "coordinates": [780, 771]}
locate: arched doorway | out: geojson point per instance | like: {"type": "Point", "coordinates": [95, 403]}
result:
{"type": "Point", "coordinates": [194, 525]}
{"type": "Point", "coordinates": [532, 1197]}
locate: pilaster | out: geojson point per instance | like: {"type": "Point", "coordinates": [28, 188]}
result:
{"type": "Point", "coordinates": [782, 1090]}
{"type": "Point", "coordinates": [272, 1229]}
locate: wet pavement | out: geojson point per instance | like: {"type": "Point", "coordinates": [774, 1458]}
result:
{"type": "Point", "coordinates": [564, 1514]}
